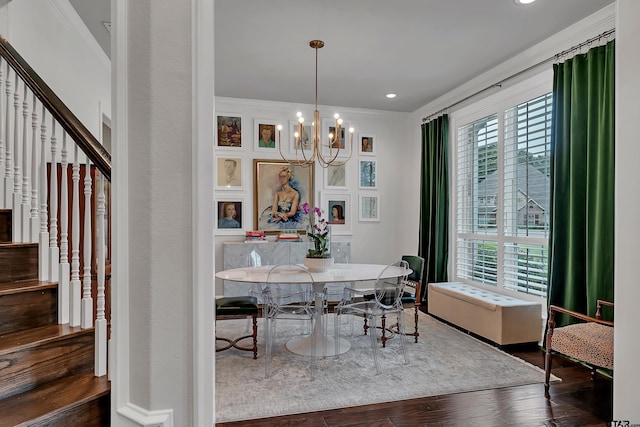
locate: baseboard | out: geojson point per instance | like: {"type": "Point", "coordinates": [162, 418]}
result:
{"type": "Point", "coordinates": [144, 418]}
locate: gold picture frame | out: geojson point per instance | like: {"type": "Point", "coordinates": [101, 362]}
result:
{"type": "Point", "coordinates": [267, 183]}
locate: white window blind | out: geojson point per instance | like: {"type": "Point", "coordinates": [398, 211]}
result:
{"type": "Point", "coordinates": [502, 203]}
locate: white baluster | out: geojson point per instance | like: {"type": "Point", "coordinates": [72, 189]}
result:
{"type": "Point", "coordinates": [87, 300]}
{"type": "Point", "coordinates": [2, 150]}
{"type": "Point", "coordinates": [63, 285]}
{"type": "Point", "coordinates": [100, 361]}
{"type": "Point", "coordinates": [16, 223]}
{"type": "Point", "coordinates": [43, 246]}
{"type": "Point", "coordinates": [35, 220]}
{"type": "Point", "coordinates": [75, 286]}
{"type": "Point", "coordinates": [26, 206]}
{"type": "Point", "coordinates": [8, 164]}
{"type": "Point", "coordinates": [54, 250]}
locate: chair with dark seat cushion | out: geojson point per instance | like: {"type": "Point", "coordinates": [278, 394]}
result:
{"type": "Point", "coordinates": [589, 342]}
{"type": "Point", "coordinates": [238, 307]}
{"type": "Point", "coordinates": [413, 288]}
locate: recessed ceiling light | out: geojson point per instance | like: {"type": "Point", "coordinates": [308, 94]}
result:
{"type": "Point", "coordinates": [524, 1]}
{"type": "Point", "coordinates": [391, 95]}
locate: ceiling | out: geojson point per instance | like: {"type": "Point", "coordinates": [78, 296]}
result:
{"type": "Point", "coordinates": [418, 49]}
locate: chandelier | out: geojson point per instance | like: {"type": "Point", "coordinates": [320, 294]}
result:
{"type": "Point", "coordinates": [309, 149]}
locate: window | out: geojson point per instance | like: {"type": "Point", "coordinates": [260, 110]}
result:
{"type": "Point", "coordinates": [502, 204]}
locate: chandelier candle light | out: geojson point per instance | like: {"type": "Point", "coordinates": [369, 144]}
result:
{"type": "Point", "coordinates": [314, 145]}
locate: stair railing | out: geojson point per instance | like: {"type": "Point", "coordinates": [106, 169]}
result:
{"type": "Point", "coordinates": [35, 185]}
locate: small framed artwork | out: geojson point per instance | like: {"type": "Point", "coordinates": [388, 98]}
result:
{"type": "Point", "coordinates": [229, 215]}
{"type": "Point", "coordinates": [368, 171]}
{"type": "Point", "coordinates": [229, 173]}
{"type": "Point", "coordinates": [337, 207]}
{"type": "Point", "coordinates": [228, 131]}
{"type": "Point", "coordinates": [265, 135]}
{"type": "Point", "coordinates": [335, 177]}
{"type": "Point", "coordinates": [279, 190]}
{"type": "Point", "coordinates": [329, 128]}
{"type": "Point", "coordinates": [367, 144]}
{"type": "Point", "coordinates": [369, 208]}
{"type": "Point", "coordinates": [302, 143]}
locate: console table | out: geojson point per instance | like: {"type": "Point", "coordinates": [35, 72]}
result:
{"type": "Point", "coordinates": [237, 255]}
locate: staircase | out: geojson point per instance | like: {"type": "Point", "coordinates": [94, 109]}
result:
{"type": "Point", "coordinates": [46, 369]}
{"type": "Point", "coordinates": [54, 310]}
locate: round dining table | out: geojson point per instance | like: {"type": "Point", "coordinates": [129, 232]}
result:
{"type": "Point", "coordinates": [338, 273]}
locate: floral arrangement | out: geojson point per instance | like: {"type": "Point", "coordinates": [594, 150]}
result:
{"type": "Point", "coordinates": [318, 232]}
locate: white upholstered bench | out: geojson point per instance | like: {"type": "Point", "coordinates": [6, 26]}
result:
{"type": "Point", "coordinates": [500, 318]}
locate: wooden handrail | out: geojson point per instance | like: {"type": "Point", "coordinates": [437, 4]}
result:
{"type": "Point", "coordinates": [70, 123]}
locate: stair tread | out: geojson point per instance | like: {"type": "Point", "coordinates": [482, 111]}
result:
{"type": "Point", "coordinates": [24, 286]}
{"type": "Point", "coordinates": [55, 396]}
{"type": "Point", "coordinates": [18, 244]}
{"type": "Point", "coordinates": [28, 338]}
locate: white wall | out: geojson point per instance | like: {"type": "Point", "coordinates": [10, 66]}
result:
{"type": "Point", "coordinates": [397, 173]}
{"type": "Point", "coordinates": [627, 206]}
{"type": "Point", "coordinates": [50, 36]}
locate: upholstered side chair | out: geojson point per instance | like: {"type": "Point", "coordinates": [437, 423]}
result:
{"type": "Point", "coordinates": [590, 341]}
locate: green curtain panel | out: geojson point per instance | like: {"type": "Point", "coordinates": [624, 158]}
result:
{"type": "Point", "coordinates": [434, 203]}
{"type": "Point", "coordinates": [582, 182]}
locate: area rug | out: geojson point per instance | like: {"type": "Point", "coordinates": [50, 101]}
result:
{"type": "Point", "coordinates": [445, 360]}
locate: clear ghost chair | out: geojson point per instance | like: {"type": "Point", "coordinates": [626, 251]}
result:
{"type": "Point", "coordinates": [255, 259]}
{"type": "Point", "coordinates": [287, 300]}
{"type": "Point", "coordinates": [387, 299]}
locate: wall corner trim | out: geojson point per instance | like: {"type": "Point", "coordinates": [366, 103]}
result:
{"type": "Point", "coordinates": [145, 418]}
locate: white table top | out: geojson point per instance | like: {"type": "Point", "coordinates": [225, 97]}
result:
{"type": "Point", "coordinates": [337, 273]}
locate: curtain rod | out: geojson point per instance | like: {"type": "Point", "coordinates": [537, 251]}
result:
{"type": "Point", "coordinates": [555, 57]}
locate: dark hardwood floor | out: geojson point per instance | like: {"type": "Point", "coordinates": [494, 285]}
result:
{"type": "Point", "coordinates": [576, 401]}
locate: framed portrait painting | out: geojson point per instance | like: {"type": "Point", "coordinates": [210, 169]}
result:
{"type": "Point", "coordinates": [228, 131]}
{"type": "Point", "coordinates": [369, 208]}
{"type": "Point", "coordinates": [335, 177]}
{"type": "Point", "coordinates": [229, 215]}
{"type": "Point", "coordinates": [265, 135]}
{"type": "Point", "coordinates": [304, 140]}
{"type": "Point", "coordinates": [229, 173]}
{"type": "Point", "coordinates": [366, 144]}
{"type": "Point", "coordinates": [368, 171]}
{"type": "Point", "coordinates": [329, 127]}
{"type": "Point", "coordinates": [337, 207]}
{"type": "Point", "coordinates": [279, 190]}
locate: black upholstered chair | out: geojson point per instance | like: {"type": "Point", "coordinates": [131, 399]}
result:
{"type": "Point", "coordinates": [238, 307]}
{"type": "Point", "coordinates": [413, 288]}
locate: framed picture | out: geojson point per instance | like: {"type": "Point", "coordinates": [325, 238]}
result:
{"type": "Point", "coordinates": [329, 127]}
{"type": "Point", "coordinates": [366, 144]}
{"type": "Point", "coordinates": [279, 189]}
{"type": "Point", "coordinates": [338, 210]}
{"type": "Point", "coordinates": [305, 142]}
{"type": "Point", "coordinates": [229, 173]}
{"type": "Point", "coordinates": [265, 135]}
{"type": "Point", "coordinates": [228, 130]}
{"type": "Point", "coordinates": [335, 177]}
{"type": "Point", "coordinates": [229, 216]}
{"type": "Point", "coordinates": [369, 208]}
{"type": "Point", "coordinates": [368, 174]}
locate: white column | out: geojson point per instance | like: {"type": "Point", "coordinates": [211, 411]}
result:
{"type": "Point", "coordinates": [8, 164]}
{"type": "Point", "coordinates": [43, 241]}
{"type": "Point", "coordinates": [100, 363]}
{"type": "Point", "coordinates": [63, 284]}
{"type": "Point", "coordinates": [34, 223]}
{"type": "Point", "coordinates": [54, 250]}
{"type": "Point", "coordinates": [25, 210]}
{"type": "Point", "coordinates": [2, 141]}
{"type": "Point", "coordinates": [75, 285]}
{"type": "Point", "coordinates": [16, 222]}
{"type": "Point", "coordinates": [87, 300]}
